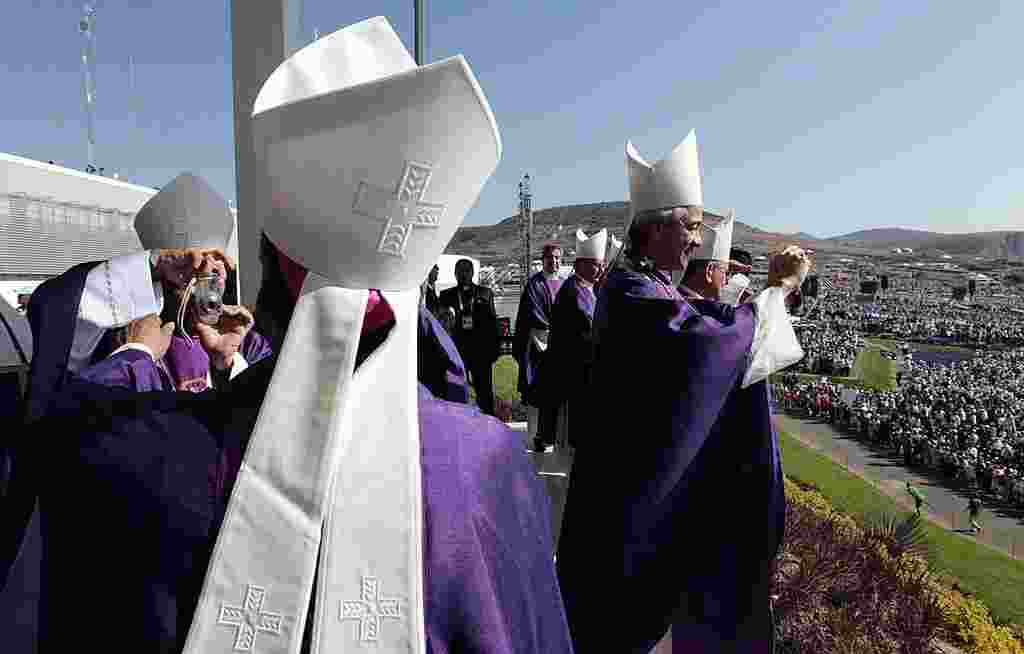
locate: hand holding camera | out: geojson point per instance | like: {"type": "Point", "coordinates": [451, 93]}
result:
{"type": "Point", "coordinates": [224, 338]}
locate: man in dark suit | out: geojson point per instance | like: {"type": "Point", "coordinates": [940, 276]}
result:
{"type": "Point", "coordinates": [475, 330]}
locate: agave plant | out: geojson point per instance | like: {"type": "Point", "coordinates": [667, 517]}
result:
{"type": "Point", "coordinates": [899, 537]}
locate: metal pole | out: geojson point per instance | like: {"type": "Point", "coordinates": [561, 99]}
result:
{"type": "Point", "coordinates": [87, 27]}
{"type": "Point", "coordinates": [419, 31]}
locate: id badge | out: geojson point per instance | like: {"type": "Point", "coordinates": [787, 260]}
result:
{"type": "Point", "coordinates": [467, 322]}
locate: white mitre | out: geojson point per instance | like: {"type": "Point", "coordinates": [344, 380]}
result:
{"type": "Point", "coordinates": [592, 247]}
{"type": "Point", "coordinates": [716, 239]}
{"type": "Point", "coordinates": [672, 182]}
{"type": "Point", "coordinates": [186, 213]}
{"type": "Point", "coordinates": [614, 247]}
{"type": "Point", "coordinates": [418, 144]}
{"type": "Point", "coordinates": [372, 164]}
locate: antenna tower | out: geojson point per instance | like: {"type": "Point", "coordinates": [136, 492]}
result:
{"type": "Point", "coordinates": [87, 27]}
{"type": "Point", "coordinates": [525, 230]}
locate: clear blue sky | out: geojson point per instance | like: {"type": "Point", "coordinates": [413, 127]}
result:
{"type": "Point", "coordinates": [825, 117]}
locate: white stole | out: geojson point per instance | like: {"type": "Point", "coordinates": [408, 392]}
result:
{"type": "Point", "coordinates": [332, 454]}
{"type": "Point", "coordinates": [370, 583]}
{"type": "Point", "coordinates": [116, 292]}
{"type": "Point", "coordinates": [775, 345]}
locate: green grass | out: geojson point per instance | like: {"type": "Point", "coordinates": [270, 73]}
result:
{"type": "Point", "coordinates": [875, 370]}
{"type": "Point", "coordinates": [894, 346]}
{"type": "Point", "coordinates": [883, 343]}
{"type": "Point", "coordinates": [995, 578]}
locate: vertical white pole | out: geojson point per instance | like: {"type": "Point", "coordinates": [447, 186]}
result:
{"type": "Point", "coordinates": [263, 34]}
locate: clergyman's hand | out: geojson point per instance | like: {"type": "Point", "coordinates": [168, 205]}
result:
{"type": "Point", "coordinates": [789, 268]}
{"type": "Point", "coordinates": [176, 267]}
{"type": "Point", "coordinates": [222, 341]}
{"type": "Point", "coordinates": [149, 332]}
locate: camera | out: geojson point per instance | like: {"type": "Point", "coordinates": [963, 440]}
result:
{"type": "Point", "coordinates": [208, 298]}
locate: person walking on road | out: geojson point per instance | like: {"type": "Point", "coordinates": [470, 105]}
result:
{"type": "Point", "coordinates": [974, 510]}
{"type": "Point", "coordinates": [919, 498]}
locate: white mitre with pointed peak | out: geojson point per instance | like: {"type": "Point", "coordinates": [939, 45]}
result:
{"type": "Point", "coordinates": [592, 247]}
{"type": "Point", "coordinates": [672, 182]}
{"type": "Point", "coordinates": [372, 161]}
{"type": "Point", "coordinates": [186, 213]}
{"type": "Point", "coordinates": [614, 247]}
{"type": "Point", "coordinates": [716, 238]}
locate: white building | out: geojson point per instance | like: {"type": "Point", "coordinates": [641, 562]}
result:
{"type": "Point", "coordinates": [52, 218]}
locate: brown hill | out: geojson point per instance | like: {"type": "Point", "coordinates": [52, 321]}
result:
{"type": "Point", "coordinates": [494, 243]}
{"type": "Point", "coordinates": [989, 245]}
{"type": "Point", "coordinates": [499, 243]}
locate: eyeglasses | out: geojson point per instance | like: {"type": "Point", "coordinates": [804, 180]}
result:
{"type": "Point", "coordinates": [694, 228]}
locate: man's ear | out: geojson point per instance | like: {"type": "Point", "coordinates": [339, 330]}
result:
{"type": "Point", "coordinates": [709, 273]}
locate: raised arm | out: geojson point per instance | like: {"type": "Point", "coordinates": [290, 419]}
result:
{"type": "Point", "coordinates": [775, 344]}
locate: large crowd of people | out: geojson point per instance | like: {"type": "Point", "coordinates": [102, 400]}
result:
{"type": "Point", "coordinates": [922, 317]}
{"type": "Point", "coordinates": [964, 418]}
{"type": "Point", "coordinates": [829, 349]}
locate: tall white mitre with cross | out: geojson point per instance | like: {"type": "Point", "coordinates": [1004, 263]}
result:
{"type": "Point", "coordinates": [672, 182]}
{"type": "Point", "coordinates": [372, 164]}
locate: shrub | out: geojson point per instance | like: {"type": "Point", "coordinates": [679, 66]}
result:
{"type": "Point", "coordinates": [898, 536]}
{"type": "Point", "coordinates": [843, 588]}
{"type": "Point", "coordinates": [970, 625]}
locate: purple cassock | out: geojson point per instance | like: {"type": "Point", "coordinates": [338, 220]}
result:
{"type": "Point", "coordinates": [185, 367]}
{"type": "Point", "coordinates": [534, 313]}
{"type": "Point", "coordinates": [439, 366]}
{"type": "Point", "coordinates": [52, 316]}
{"type": "Point", "coordinates": [52, 313]}
{"type": "Point", "coordinates": [564, 373]}
{"type": "Point", "coordinates": [647, 519]}
{"type": "Point", "coordinates": [131, 526]}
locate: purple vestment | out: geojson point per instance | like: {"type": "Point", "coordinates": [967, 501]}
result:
{"type": "Point", "coordinates": [645, 518]}
{"type": "Point", "coordinates": [52, 315]}
{"type": "Point", "coordinates": [439, 366]}
{"type": "Point", "coordinates": [563, 376]}
{"type": "Point", "coordinates": [490, 583]}
{"type": "Point", "coordinates": [534, 313]}
{"type": "Point", "coordinates": [185, 366]}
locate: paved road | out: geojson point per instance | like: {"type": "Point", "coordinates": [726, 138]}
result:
{"type": "Point", "coordinates": [1004, 525]}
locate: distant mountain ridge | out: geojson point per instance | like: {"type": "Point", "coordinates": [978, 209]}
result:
{"type": "Point", "coordinates": [993, 245]}
{"type": "Point", "coordinates": [887, 235]}
{"type": "Point", "coordinates": [499, 242]}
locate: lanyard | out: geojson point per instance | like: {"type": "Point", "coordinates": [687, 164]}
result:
{"type": "Point", "coordinates": [472, 299]}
